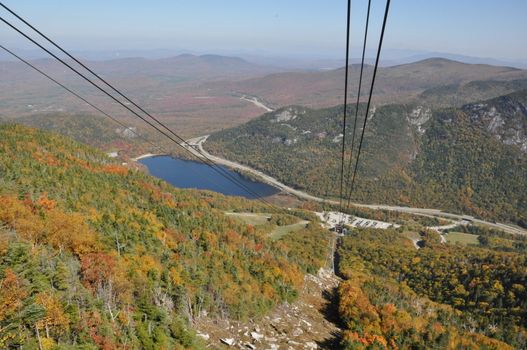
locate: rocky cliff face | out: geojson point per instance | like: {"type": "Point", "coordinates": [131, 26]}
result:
{"type": "Point", "coordinates": [418, 117]}
{"type": "Point", "coordinates": [504, 117]}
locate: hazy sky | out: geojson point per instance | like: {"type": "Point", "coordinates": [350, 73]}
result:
{"type": "Point", "coordinates": [484, 28]}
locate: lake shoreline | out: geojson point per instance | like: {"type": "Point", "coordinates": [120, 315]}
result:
{"type": "Point", "coordinates": [186, 173]}
{"type": "Point", "coordinates": [148, 155]}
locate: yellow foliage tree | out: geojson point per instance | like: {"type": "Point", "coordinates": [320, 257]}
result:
{"type": "Point", "coordinates": [55, 321]}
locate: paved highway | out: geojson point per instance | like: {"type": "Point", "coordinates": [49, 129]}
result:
{"type": "Point", "coordinates": [198, 143]}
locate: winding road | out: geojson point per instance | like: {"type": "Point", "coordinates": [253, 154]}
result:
{"type": "Point", "coordinates": [197, 144]}
{"type": "Point", "coordinates": [256, 102]}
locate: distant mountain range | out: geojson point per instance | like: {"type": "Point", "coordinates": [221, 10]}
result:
{"type": "Point", "coordinates": [200, 94]}
{"type": "Point", "coordinates": [394, 84]}
{"type": "Point", "coordinates": [315, 61]}
{"type": "Point", "coordinates": [182, 66]}
{"type": "Point", "coordinates": [172, 88]}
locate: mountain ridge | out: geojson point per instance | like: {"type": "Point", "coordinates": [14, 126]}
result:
{"type": "Point", "coordinates": [395, 84]}
{"type": "Point", "coordinates": [405, 149]}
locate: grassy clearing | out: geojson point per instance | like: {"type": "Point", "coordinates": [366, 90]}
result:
{"type": "Point", "coordinates": [260, 219]}
{"type": "Point", "coordinates": [462, 238]}
{"type": "Point", "coordinates": [281, 231]}
{"type": "Point", "coordinates": [254, 219]}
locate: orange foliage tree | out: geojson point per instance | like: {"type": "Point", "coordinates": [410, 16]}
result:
{"type": "Point", "coordinates": [12, 295]}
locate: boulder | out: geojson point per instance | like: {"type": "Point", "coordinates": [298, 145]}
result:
{"type": "Point", "coordinates": [296, 332]}
{"type": "Point", "coordinates": [257, 336]}
{"type": "Point", "coordinates": [311, 345]}
{"type": "Point", "coordinates": [227, 341]}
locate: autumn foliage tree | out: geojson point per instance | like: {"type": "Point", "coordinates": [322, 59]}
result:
{"type": "Point", "coordinates": [55, 322]}
{"type": "Point", "coordinates": [12, 295]}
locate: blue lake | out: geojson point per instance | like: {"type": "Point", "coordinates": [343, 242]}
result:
{"type": "Point", "coordinates": [190, 174]}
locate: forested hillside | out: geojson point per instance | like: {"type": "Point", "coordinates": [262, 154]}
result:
{"type": "Point", "coordinates": [94, 130]}
{"type": "Point", "coordinates": [472, 159]}
{"type": "Point", "coordinates": [456, 95]}
{"type": "Point", "coordinates": [438, 297]}
{"type": "Point", "coordinates": [94, 255]}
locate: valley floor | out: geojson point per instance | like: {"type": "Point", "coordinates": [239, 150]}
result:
{"type": "Point", "coordinates": [197, 144]}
